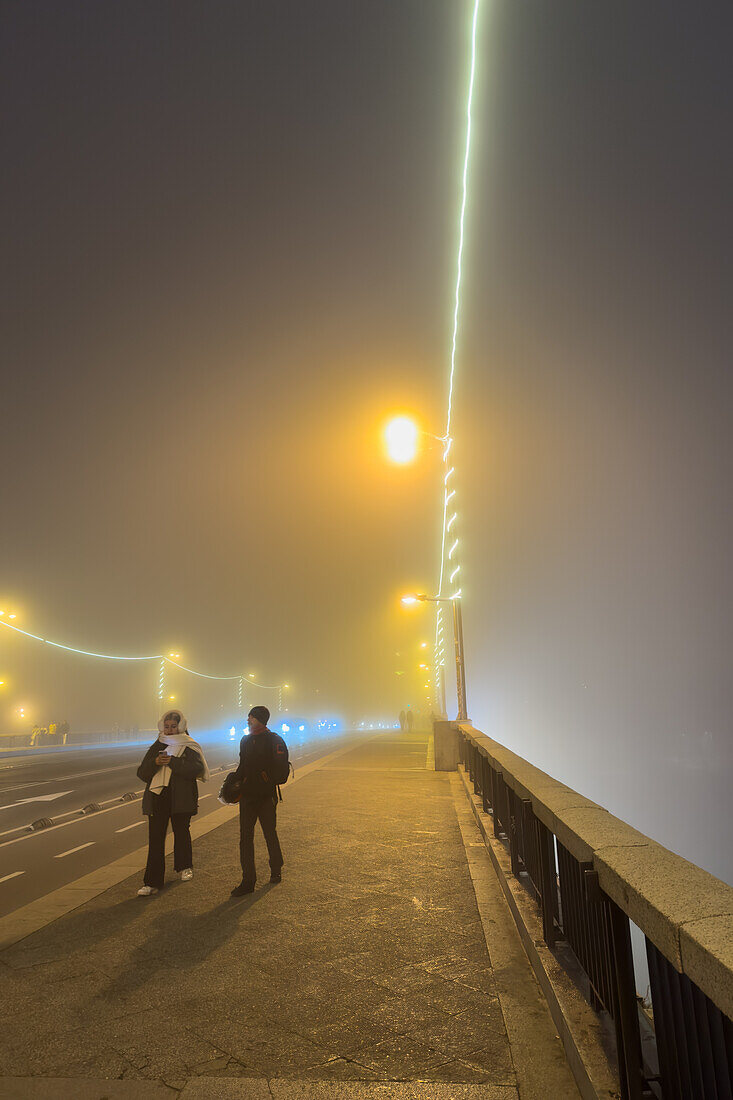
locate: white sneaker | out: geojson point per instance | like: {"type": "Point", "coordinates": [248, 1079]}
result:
{"type": "Point", "coordinates": [187, 875]}
{"type": "Point", "coordinates": [146, 891]}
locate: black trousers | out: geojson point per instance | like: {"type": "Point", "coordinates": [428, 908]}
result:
{"type": "Point", "coordinates": [182, 850]}
{"type": "Point", "coordinates": [263, 810]}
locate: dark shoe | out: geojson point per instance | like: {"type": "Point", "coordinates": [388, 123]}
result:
{"type": "Point", "coordinates": [276, 876]}
{"type": "Point", "coordinates": [242, 889]}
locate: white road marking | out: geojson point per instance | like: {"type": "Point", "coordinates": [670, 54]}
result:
{"type": "Point", "coordinates": [73, 821]}
{"type": "Point", "coordinates": [66, 778]}
{"type": "Point", "coordinates": [209, 795]}
{"type": "Point", "coordinates": [36, 798]}
{"type": "Point", "coordinates": [71, 851]}
{"type": "Point", "coordinates": [133, 826]}
{"type": "Point", "coordinates": [13, 875]}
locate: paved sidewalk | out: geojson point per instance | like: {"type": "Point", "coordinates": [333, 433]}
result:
{"type": "Point", "coordinates": [366, 967]}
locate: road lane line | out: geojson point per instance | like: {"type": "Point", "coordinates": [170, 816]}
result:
{"type": "Point", "coordinates": [71, 851]}
{"type": "Point", "coordinates": [73, 821]}
{"type": "Point", "coordinates": [65, 778]}
{"type": "Point", "coordinates": [133, 826]}
{"type": "Point", "coordinates": [62, 824]}
{"type": "Point", "coordinates": [13, 875]}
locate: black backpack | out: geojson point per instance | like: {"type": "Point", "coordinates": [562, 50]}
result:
{"type": "Point", "coordinates": [281, 766]}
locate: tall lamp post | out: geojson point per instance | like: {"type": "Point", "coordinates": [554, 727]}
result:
{"type": "Point", "coordinates": [420, 597]}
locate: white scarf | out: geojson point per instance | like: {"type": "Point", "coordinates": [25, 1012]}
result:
{"type": "Point", "coordinates": [175, 746]}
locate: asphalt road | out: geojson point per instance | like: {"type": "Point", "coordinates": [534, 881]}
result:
{"type": "Point", "coordinates": [33, 863]}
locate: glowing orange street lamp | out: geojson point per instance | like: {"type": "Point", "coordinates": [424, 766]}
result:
{"type": "Point", "coordinates": [401, 438]}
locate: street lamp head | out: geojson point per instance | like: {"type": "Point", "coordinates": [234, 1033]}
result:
{"type": "Point", "coordinates": [401, 436]}
{"type": "Point", "coordinates": [413, 598]}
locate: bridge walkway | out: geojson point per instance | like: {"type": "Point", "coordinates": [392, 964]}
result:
{"type": "Point", "coordinates": [385, 964]}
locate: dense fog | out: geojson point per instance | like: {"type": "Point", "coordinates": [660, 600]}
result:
{"type": "Point", "coordinates": [229, 255]}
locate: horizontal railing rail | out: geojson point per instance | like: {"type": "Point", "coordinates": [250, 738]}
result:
{"type": "Point", "coordinates": [591, 874]}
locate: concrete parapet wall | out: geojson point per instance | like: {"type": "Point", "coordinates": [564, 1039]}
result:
{"type": "Point", "coordinates": [686, 912]}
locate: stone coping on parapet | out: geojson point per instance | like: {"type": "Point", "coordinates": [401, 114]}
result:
{"type": "Point", "coordinates": [686, 912]}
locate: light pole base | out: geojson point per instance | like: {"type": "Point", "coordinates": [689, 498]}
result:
{"type": "Point", "coordinates": [445, 736]}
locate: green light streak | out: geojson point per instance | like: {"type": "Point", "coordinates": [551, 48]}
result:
{"type": "Point", "coordinates": [147, 657]}
{"type": "Point", "coordinates": [448, 492]}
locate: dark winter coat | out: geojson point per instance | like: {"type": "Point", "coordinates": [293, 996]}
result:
{"type": "Point", "coordinates": [256, 759]}
{"type": "Point", "coordinates": [184, 796]}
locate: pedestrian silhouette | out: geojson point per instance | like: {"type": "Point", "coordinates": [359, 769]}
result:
{"type": "Point", "coordinates": [263, 764]}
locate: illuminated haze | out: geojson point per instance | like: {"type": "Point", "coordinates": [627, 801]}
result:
{"type": "Point", "coordinates": [229, 247]}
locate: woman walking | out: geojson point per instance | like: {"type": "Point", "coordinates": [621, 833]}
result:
{"type": "Point", "coordinates": [171, 769]}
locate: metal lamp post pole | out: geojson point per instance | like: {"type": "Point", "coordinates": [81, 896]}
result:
{"type": "Point", "coordinates": [458, 644]}
{"type": "Point", "coordinates": [460, 659]}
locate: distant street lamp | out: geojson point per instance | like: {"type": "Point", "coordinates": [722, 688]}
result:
{"type": "Point", "coordinates": [420, 597]}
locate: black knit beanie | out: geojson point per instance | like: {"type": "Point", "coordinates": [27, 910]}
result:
{"type": "Point", "coordinates": [262, 714]}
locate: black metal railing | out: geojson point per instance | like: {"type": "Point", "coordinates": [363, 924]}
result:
{"type": "Point", "coordinates": [694, 1038]}
{"type": "Point", "coordinates": [693, 1059]}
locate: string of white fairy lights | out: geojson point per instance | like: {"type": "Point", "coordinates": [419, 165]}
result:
{"type": "Point", "coordinates": [164, 661]}
{"type": "Point", "coordinates": [450, 564]}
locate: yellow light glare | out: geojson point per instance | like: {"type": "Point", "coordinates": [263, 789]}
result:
{"type": "Point", "coordinates": [171, 698]}
{"type": "Point", "coordinates": [12, 616]}
{"type": "Point", "coordinates": [401, 437]}
{"type": "Point", "coordinates": [408, 601]}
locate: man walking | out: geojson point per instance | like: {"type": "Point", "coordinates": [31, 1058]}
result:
{"type": "Point", "coordinates": [262, 754]}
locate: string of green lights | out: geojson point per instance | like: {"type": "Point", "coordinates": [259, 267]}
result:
{"type": "Point", "coordinates": [450, 515]}
{"type": "Point", "coordinates": [165, 660]}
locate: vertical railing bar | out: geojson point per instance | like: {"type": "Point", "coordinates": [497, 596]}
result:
{"type": "Point", "coordinates": [704, 1043]}
{"type": "Point", "coordinates": [664, 1021]}
{"type": "Point", "coordinates": [625, 990]}
{"type": "Point", "coordinates": [485, 784]}
{"type": "Point", "coordinates": [590, 881]}
{"type": "Point", "coordinates": [691, 1042]}
{"type": "Point", "coordinates": [548, 924]}
{"type": "Point", "coordinates": [680, 1032]}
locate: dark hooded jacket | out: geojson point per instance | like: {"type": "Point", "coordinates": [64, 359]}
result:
{"type": "Point", "coordinates": [184, 789]}
{"type": "Point", "coordinates": [256, 764]}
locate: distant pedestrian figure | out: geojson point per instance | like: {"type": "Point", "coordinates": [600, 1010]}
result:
{"type": "Point", "coordinates": [403, 720]}
{"type": "Point", "coordinates": [410, 721]}
{"type": "Point", "coordinates": [171, 770]}
{"type": "Point", "coordinates": [262, 757]}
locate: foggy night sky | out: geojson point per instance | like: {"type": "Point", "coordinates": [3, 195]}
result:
{"type": "Point", "coordinates": [228, 254]}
